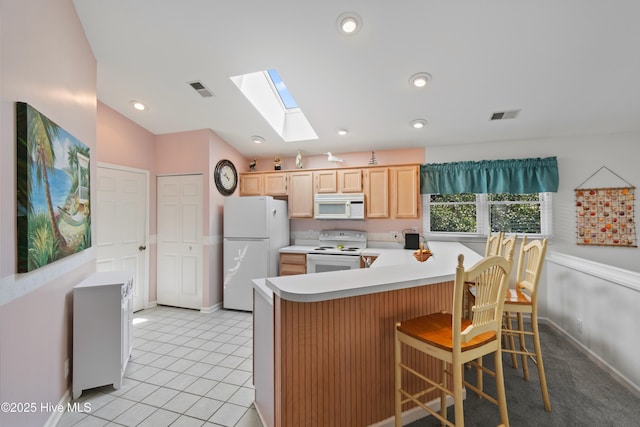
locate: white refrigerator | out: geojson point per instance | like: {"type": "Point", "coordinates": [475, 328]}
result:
{"type": "Point", "coordinates": [255, 228]}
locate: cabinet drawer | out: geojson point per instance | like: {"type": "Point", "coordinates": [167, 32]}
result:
{"type": "Point", "coordinates": [287, 258]}
{"type": "Point", "coordinates": [291, 269]}
{"type": "Point", "coordinates": [293, 263]}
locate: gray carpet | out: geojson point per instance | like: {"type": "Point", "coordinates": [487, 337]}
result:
{"type": "Point", "coordinates": [581, 392]}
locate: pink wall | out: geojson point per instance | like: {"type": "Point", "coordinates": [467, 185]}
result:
{"type": "Point", "coordinates": [198, 152]}
{"type": "Point", "coordinates": [352, 159]}
{"type": "Point", "coordinates": [45, 60]}
{"type": "Point", "coordinates": [218, 149]}
{"type": "Point", "coordinates": [122, 142]}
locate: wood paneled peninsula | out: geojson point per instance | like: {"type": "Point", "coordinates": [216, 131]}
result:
{"type": "Point", "coordinates": [323, 343]}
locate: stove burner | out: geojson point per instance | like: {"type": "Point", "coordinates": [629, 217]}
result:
{"type": "Point", "coordinates": [333, 248]}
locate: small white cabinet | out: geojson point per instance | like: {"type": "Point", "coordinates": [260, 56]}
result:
{"type": "Point", "coordinates": [102, 329]}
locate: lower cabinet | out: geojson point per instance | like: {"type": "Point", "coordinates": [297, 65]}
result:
{"type": "Point", "coordinates": [293, 263]}
{"type": "Point", "coordinates": [102, 329]}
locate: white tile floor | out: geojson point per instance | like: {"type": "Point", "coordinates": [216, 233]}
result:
{"type": "Point", "coordinates": [187, 369]}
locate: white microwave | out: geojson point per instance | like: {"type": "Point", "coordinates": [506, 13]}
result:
{"type": "Point", "coordinates": [339, 206]}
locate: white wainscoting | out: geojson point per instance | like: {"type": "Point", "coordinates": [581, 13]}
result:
{"type": "Point", "coordinates": [599, 307]}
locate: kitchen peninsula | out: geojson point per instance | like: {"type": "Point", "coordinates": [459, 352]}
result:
{"type": "Point", "coordinates": [323, 343]}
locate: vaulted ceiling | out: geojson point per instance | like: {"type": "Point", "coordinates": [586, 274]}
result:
{"type": "Point", "coordinates": [570, 67]}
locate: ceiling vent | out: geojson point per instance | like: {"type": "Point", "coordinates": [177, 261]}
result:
{"type": "Point", "coordinates": [503, 115]}
{"type": "Point", "coordinates": [201, 89]}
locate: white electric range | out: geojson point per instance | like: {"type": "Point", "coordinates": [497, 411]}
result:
{"type": "Point", "coordinates": [337, 250]}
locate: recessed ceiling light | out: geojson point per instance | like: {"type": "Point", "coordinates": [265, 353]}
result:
{"type": "Point", "coordinates": [349, 23]}
{"type": "Point", "coordinates": [342, 132]}
{"type": "Point", "coordinates": [257, 139]}
{"type": "Point", "coordinates": [140, 106]}
{"type": "Point", "coordinates": [420, 80]}
{"type": "Point", "coordinates": [418, 123]}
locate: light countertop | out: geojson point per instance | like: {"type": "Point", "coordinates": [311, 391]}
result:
{"type": "Point", "coordinates": [393, 269]}
{"type": "Point", "coordinates": [297, 249]}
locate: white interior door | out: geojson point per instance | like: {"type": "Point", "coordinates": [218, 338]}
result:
{"type": "Point", "coordinates": [180, 241]}
{"type": "Point", "coordinates": [121, 225]}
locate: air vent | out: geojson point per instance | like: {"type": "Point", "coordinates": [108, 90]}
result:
{"type": "Point", "coordinates": [201, 89]}
{"type": "Point", "coordinates": [503, 115]}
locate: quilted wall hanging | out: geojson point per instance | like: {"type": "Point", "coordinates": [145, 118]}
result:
{"type": "Point", "coordinates": [605, 215]}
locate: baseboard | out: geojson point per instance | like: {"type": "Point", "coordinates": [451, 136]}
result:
{"type": "Point", "coordinates": [260, 417]}
{"type": "Point", "coordinates": [595, 358]}
{"type": "Point", "coordinates": [416, 413]}
{"type": "Point", "coordinates": [211, 309]}
{"type": "Point", "coordinates": [56, 416]}
{"type": "Point", "coordinates": [151, 304]}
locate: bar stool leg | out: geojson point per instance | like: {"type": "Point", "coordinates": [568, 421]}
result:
{"type": "Point", "coordinates": [541, 375]}
{"type": "Point", "coordinates": [502, 397]}
{"type": "Point", "coordinates": [523, 348]}
{"type": "Point", "coordinates": [398, 381]}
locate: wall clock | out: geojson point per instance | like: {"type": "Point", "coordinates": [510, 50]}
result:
{"type": "Point", "coordinates": [225, 177]}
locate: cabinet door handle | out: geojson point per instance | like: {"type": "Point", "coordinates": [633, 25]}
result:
{"type": "Point", "coordinates": [142, 247]}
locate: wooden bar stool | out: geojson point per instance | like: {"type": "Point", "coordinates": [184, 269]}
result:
{"type": "Point", "coordinates": [497, 244]}
{"type": "Point", "coordinates": [456, 341]}
{"type": "Point", "coordinates": [524, 299]}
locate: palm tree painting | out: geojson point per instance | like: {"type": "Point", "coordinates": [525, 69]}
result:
{"type": "Point", "coordinates": [54, 219]}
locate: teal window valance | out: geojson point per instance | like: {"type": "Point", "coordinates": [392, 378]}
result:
{"type": "Point", "coordinates": [514, 176]}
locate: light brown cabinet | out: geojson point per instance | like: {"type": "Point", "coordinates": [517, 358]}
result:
{"type": "Point", "coordinates": [338, 181]}
{"type": "Point", "coordinates": [263, 184]}
{"type": "Point", "coordinates": [251, 184]}
{"type": "Point", "coordinates": [275, 184]}
{"type": "Point", "coordinates": [326, 181]}
{"type": "Point", "coordinates": [376, 192]}
{"type": "Point", "coordinates": [390, 191]}
{"type": "Point", "coordinates": [405, 191]}
{"type": "Point", "coordinates": [350, 180]}
{"type": "Point", "coordinates": [293, 263]}
{"type": "Point", "coordinates": [301, 194]}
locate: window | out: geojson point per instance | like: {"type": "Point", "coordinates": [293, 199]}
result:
{"type": "Point", "coordinates": [285, 96]}
{"type": "Point", "coordinates": [475, 214]}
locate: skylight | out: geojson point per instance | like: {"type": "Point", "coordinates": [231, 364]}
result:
{"type": "Point", "coordinates": [281, 88]}
{"type": "Point", "coordinates": [269, 95]}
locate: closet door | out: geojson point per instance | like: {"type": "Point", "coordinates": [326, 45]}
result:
{"type": "Point", "coordinates": [122, 217]}
{"type": "Point", "coordinates": [180, 241]}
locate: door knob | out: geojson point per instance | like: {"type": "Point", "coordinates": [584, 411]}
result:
{"type": "Point", "coordinates": [142, 248]}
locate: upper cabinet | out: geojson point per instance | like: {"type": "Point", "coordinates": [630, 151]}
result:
{"type": "Point", "coordinates": [326, 181]}
{"type": "Point", "coordinates": [405, 191]}
{"type": "Point", "coordinates": [301, 194]}
{"type": "Point", "coordinates": [275, 184]}
{"type": "Point", "coordinates": [263, 184]}
{"type": "Point", "coordinates": [390, 191]}
{"type": "Point", "coordinates": [350, 180]}
{"type": "Point", "coordinates": [251, 184]}
{"type": "Point", "coordinates": [376, 192]}
{"type": "Point", "coordinates": [338, 181]}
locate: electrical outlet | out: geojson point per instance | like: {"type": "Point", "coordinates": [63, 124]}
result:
{"type": "Point", "coordinates": [579, 325]}
{"type": "Point", "coordinates": [394, 235]}
{"type": "Point", "coordinates": [66, 368]}
{"type": "Point", "coordinates": [415, 228]}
